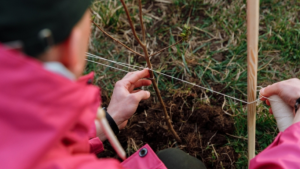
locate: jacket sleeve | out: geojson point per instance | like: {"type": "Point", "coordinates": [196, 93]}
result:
{"type": "Point", "coordinates": [284, 152]}
{"type": "Point", "coordinates": [96, 145]}
{"type": "Point", "coordinates": [79, 161]}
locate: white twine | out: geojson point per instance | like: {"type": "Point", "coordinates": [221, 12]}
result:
{"type": "Point", "coordinates": [184, 81]}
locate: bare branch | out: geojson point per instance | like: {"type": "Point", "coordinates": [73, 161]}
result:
{"type": "Point", "coordinates": [137, 38]}
{"type": "Point", "coordinates": [141, 21]}
{"type": "Point", "coordinates": [166, 48]}
{"type": "Point", "coordinates": [103, 31]}
{"type": "Point", "coordinates": [167, 117]}
{"type": "Point", "coordinates": [131, 24]}
{"type": "Point", "coordinates": [144, 47]}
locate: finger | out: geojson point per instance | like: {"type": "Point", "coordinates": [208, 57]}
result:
{"type": "Point", "coordinates": [143, 82]}
{"type": "Point", "coordinates": [135, 91]}
{"type": "Point", "coordinates": [131, 78]}
{"type": "Point", "coordinates": [270, 90]}
{"type": "Point", "coordinates": [129, 74]}
{"type": "Point", "coordinates": [140, 83]}
{"type": "Point", "coordinates": [135, 76]}
{"type": "Point", "coordinates": [261, 96]}
{"type": "Point", "coordinates": [268, 102]}
{"type": "Point", "coordinates": [140, 95]}
{"type": "Point", "coordinates": [123, 125]}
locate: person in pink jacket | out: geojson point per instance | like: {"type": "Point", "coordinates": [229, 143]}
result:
{"type": "Point", "coordinates": [47, 112]}
{"type": "Point", "coordinates": [284, 152]}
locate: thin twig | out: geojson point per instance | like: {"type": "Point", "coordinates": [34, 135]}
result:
{"type": "Point", "coordinates": [165, 48]}
{"type": "Point", "coordinates": [103, 31]}
{"type": "Point", "coordinates": [239, 137]}
{"type": "Point", "coordinates": [131, 23]}
{"type": "Point", "coordinates": [144, 47]}
{"type": "Point", "coordinates": [141, 22]}
{"type": "Point", "coordinates": [215, 151]}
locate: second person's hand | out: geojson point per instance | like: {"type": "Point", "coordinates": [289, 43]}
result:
{"type": "Point", "coordinates": [283, 96]}
{"type": "Point", "coordinates": [125, 99]}
{"type": "Point", "coordinates": [288, 91]}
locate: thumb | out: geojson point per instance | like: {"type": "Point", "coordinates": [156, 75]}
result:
{"type": "Point", "coordinates": [141, 95]}
{"type": "Point", "coordinates": [262, 94]}
{"type": "Point", "coordinates": [270, 90]}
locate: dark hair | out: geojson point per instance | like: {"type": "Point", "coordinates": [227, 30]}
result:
{"type": "Point", "coordinates": [39, 24]}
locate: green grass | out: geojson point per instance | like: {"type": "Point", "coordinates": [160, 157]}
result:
{"type": "Point", "coordinates": [215, 53]}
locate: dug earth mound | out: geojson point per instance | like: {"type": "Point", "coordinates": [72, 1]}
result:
{"type": "Point", "coordinates": [202, 128]}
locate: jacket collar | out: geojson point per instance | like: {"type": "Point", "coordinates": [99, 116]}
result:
{"type": "Point", "coordinates": [57, 67]}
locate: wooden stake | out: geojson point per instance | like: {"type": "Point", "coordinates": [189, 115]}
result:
{"type": "Point", "coordinates": [252, 57]}
{"type": "Point", "coordinates": [110, 134]}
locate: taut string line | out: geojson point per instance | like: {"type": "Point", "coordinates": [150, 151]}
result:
{"type": "Point", "coordinates": [184, 81]}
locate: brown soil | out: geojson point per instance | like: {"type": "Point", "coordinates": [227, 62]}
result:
{"type": "Point", "coordinates": [202, 128]}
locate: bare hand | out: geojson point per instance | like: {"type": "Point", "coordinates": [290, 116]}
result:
{"type": "Point", "coordinates": [288, 91]}
{"type": "Point", "coordinates": [125, 99]}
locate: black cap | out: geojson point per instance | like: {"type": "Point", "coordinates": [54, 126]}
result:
{"type": "Point", "coordinates": [38, 24]}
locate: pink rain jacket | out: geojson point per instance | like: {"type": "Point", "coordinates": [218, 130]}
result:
{"type": "Point", "coordinates": [46, 120]}
{"type": "Point", "coordinates": [284, 152]}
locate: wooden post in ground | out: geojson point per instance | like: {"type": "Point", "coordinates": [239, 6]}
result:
{"type": "Point", "coordinates": [252, 57]}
